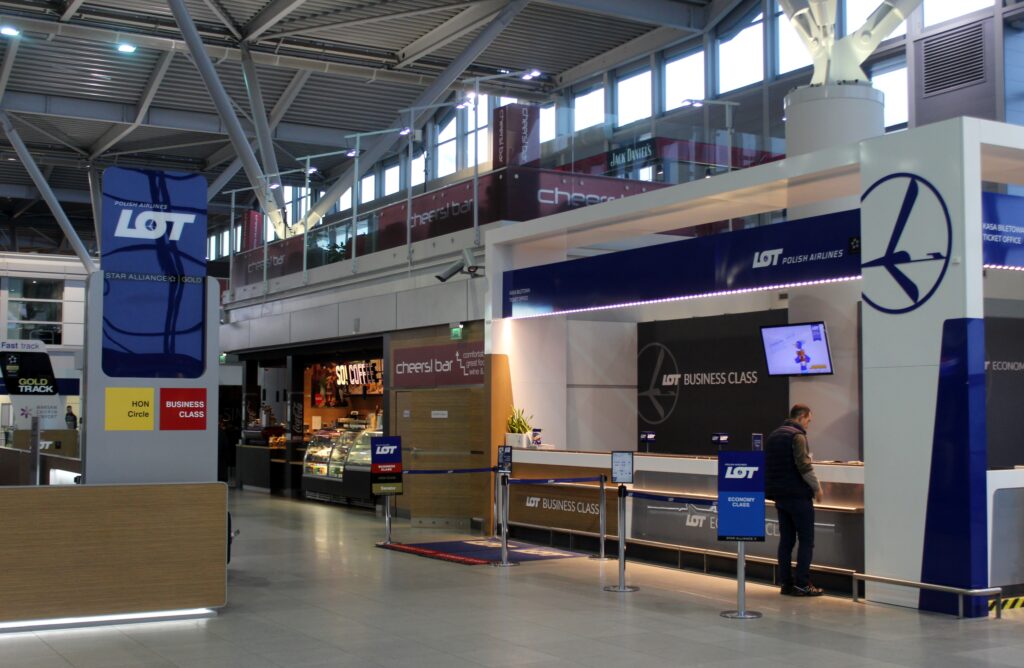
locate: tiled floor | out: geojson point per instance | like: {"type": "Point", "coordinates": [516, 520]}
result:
{"type": "Point", "coordinates": [307, 588]}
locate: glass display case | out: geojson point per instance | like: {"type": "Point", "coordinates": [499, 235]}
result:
{"type": "Point", "coordinates": [325, 454]}
{"type": "Point", "coordinates": [359, 453]}
{"type": "Point", "coordinates": [337, 465]}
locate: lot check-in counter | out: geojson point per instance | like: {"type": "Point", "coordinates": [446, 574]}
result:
{"type": "Point", "coordinates": [683, 532]}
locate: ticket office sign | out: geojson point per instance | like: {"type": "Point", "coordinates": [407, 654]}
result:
{"type": "Point", "coordinates": [386, 465]}
{"type": "Point", "coordinates": [740, 496]}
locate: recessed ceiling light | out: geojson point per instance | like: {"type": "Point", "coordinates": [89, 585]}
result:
{"type": "Point", "coordinates": [9, 31]}
{"type": "Point", "coordinates": [125, 47]}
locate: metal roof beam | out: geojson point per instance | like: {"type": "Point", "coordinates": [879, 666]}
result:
{"type": "Point", "coordinates": [458, 26]}
{"type": "Point", "coordinates": [270, 16]}
{"type": "Point", "coordinates": [280, 109]}
{"type": "Point", "coordinates": [366, 20]}
{"type": "Point", "coordinates": [46, 193]}
{"type": "Point", "coordinates": [8, 65]}
{"type": "Point", "coordinates": [158, 117]}
{"type": "Point", "coordinates": [55, 135]}
{"type": "Point", "coordinates": [719, 10]}
{"type": "Point", "coordinates": [377, 149]}
{"type": "Point", "coordinates": [222, 102]}
{"type": "Point", "coordinates": [69, 9]}
{"type": "Point", "coordinates": [655, 12]}
{"type": "Point", "coordinates": [116, 133]}
{"type": "Point", "coordinates": [644, 45]}
{"type": "Point", "coordinates": [259, 119]}
{"type": "Point", "coordinates": [224, 17]}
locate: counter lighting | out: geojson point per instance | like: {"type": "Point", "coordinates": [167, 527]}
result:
{"type": "Point", "coordinates": [104, 620]}
{"type": "Point", "coordinates": [667, 300]}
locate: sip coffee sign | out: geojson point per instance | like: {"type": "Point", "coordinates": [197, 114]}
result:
{"type": "Point", "coordinates": [386, 465]}
{"type": "Point", "coordinates": [154, 274]}
{"type": "Point", "coordinates": [741, 496]}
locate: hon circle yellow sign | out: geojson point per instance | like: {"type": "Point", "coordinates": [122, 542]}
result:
{"type": "Point", "coordinates": [130, 409]}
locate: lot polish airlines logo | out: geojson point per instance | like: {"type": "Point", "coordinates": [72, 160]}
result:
{"type": "Point", "coordinates": [916, 256]}
{"type": "Point", "coordinates": [768, 258]}
{"type": "Point", "coordinates": [659, 393]}
{"type": "Point", "coordinates": [149, 224]}
{"type": "Point", "coordinates": [386, 449]}
{"type": "Point", "coordinates": [740, 472]}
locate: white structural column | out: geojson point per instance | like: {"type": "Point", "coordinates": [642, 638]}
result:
{"type": "Point", "coordinates": [923, 363]}
{"type": "Point", "coordinates": [223, 103]}
{"type": "Point", "coordinates": [47, 194]}
{"type": "Point", "coordinates": [259, 119]}
{"type": "Point", "coordinates": [280, 108]}
{"type": "Point", "coordinates": [431, 95]}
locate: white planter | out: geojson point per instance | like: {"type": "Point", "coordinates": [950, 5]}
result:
{"type": "Point", "coordinates": [517, 440]}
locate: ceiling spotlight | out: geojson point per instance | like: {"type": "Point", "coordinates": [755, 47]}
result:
{"type": "Point", "coordinates": [274, 186]}
{"type": "Point", "coordinates": [125, 47]}
{"type": "Point", "coordinates": [532, 74]}
{"type": "Point", "coordinates": [352, 153]}
{"type": "Point", "coordinates": [9, 31]}
{"type": "Point", "coordinates": [312, 170]}
{"type": "Point", "coordinates": [405, 131]}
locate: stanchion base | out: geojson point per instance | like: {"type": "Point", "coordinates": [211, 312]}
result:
{"type": "Point", "coordinates": [736, 614]}
{"type": "Point", "coordinates": [597, 557]}
{"type": "Point", "coordinates": [498, 564]}
{"type": "Point", "coordinates": [383, 543]}
{"type": "Point", "coordinates": [621, 590]}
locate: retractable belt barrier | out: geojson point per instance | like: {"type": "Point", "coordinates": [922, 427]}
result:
{"type": "Point", "coordinates": [491, 469]}
{"type": "Point", "coordinates": [671, 499]}
{"type": "Point", "coordinates": [552, 481]}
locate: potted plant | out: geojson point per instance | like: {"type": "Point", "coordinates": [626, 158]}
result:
{"type": "Point", "coordinates": [517, 429]}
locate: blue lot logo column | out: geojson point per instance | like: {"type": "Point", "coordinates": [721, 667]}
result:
{"type": "Point", "coordinates": [923, 367]}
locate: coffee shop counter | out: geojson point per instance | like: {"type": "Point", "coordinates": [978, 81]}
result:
{"type": "Point", "coordinates": [690, 528]}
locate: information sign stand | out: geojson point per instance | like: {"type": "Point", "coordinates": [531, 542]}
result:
{"type": "Point", "coordinates": [741, 515]}
{"type": "Point", "coordinates": [386, 474]}
{"type": "Point", "coordinates": [622, 473]}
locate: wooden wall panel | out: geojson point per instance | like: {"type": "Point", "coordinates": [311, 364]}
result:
{"type": "Point", "coordinates": [99, 550]}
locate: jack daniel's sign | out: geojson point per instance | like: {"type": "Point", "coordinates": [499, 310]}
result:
{"type": "Point", "coordinates": [631, 155]}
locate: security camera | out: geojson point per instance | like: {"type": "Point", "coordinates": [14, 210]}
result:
{"type": "Point", "coordinates": [451, 270]}
{"type": "Point", "coordinates": [465, 264]}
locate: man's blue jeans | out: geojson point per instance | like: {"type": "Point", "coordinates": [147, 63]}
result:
{"type": "Point", "coordinates": [796, 521]}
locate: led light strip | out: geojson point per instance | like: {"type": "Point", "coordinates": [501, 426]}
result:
{"type": "Point", "coordinates": [104, 620]}
{"type": "Point", "coordinates": [1003, 266]}
{"type": "Point", "coordinates": [703, 295]}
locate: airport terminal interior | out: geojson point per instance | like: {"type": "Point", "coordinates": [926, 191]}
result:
{"type": "Point", "coordinates": [511, 332]}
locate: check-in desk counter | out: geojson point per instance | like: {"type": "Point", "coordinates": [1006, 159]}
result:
{"type": "Point", "coordinates": [686, 532]}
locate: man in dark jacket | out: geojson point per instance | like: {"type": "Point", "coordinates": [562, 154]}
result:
{"type": "Point", "coordinates": [790, 482]}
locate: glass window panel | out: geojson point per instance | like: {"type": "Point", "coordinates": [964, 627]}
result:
{"type": "Point", "coordinates": [483, 111]}
{"type": "Point", "coordinates": [858, 11]}
{"type": "Point", "coordinates": [548, 126]}
{"type": "Point", "coordinates": [211, 244]}
{"type": "Point", "coordinates": [793, 53]}
{"type": "Point", "coordinates": [684, 80]}
{"type": "Point", "coordinates": [238, 238]}
{"type": "Point", "coordinates": [345, 201]}
{"type": "Point", "coordinates": [503, 101]}
{"type": "Point", "coordinates": [42, 311]}
{"type": "Point", "coordinates": [894, 86]}
{"type": "Point", "coordinates": [447, 159]}
{"type": "Point", "coordinates": [47, 333]}
{"type": "Point", "coordinates": [368, 189]}
{"type": "Point", "coordinates": [633, 98]}
{"type": "Point", "coordinates": [447, 131]}
{"type": "Point", "coordinates": [588, 109]}
{"type": "Point", "coordinates": [937, 11]}
{"type": "Point", "coordinates": [392, 180]}
{"type": "Point", "coordinates": [483, 137]}
{"type": "Point", "coordinates": [35, 288]}
{"type": "Point", "coordinates": [419, 169]}
{"type": "Point", "coordinates": [645, 173]}
{"type": "Point", "coordinates": [741, 59]}
{"type": "Point", "coordinates": [225, 242]}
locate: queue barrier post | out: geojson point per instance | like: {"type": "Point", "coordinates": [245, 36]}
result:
{"type": "Point", "coordinates": [741, 587]}
{"type": "Point", "coordinates": [387, 520]}
{"type": "Point", "coordinates": [622, 587]}
{"type": "Point", "coordinates": [603, 523]}
{"type": "Point", "coordinates": [504, 497]}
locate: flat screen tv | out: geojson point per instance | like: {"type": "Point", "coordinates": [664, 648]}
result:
{"type": "Point", "coordinates": [799, 349]}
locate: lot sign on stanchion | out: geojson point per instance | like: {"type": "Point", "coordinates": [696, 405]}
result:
{"type": "Point", "coordinates": [741, 514]}
{"type": "Point", "coordinates": [622, 473]}
{"type": "Point", "coordinates": [386, 474]}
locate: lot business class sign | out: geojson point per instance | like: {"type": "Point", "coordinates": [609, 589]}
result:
{"type": "Point", "coordinates": [154, 274]}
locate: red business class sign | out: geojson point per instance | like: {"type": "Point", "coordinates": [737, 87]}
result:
{"type": "Point", "coordinates": [183, 409]}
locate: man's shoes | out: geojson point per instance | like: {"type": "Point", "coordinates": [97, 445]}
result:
{"type": "Point", "coordinates": [787, 590]}
{"type": "Point", "coordinates": [808, 590]}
